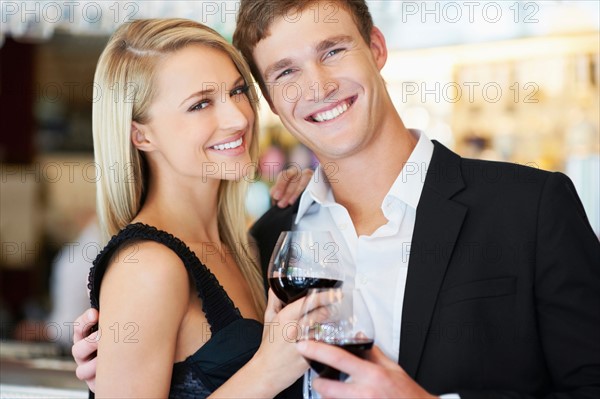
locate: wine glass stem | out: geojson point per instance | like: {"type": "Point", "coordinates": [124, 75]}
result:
{"type": "Point", "coordinates": [308, 391]}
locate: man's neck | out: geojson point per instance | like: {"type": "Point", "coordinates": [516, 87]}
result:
{"type": "Point", "coordinates": [360, 182]}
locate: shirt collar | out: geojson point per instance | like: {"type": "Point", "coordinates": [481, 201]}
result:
{"type": "Point", "coordinates": [409, 183]}
{"type": "Point", "coordinates": [317, 191]}
{"type": "Point", "coordinates": [407, 187]}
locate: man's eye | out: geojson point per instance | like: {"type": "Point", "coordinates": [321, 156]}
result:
{"type": "Point", "coordinates": [284, 73]}
{"type": "Point", "coordinates": [239, 90]}
{"type": "Point", "coordinates": [334, 52]}
{"type": "Point", "coordinates": [201, 105]}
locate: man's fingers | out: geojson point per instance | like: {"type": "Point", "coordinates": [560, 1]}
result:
{"type": "Point", "coordinates": [333, 389]}
{"type": "Point", "coordinates": [83, 349]}
{"type": "Point", "coordinates": [87, 372]}
{"type": "Point", "coordinates": [84, 323]}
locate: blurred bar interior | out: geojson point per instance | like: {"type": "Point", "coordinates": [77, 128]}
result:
{"type": "Point", "coordinates": [505, 80]}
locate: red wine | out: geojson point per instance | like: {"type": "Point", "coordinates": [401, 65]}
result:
{"type": "Point", "coordinates": [288, 289]}
{"type": "Point", "coordinates": [357, 347]}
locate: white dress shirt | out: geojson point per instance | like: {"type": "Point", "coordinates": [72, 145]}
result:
{"type": "Point", "coordinates": [376, 264]}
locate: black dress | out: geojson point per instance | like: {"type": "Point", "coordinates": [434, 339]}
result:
{"type": "Point", "coordinates": [234, 339]}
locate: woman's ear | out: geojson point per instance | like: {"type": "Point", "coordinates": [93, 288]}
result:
{"type": "Point", "coordinates": [139, 138]}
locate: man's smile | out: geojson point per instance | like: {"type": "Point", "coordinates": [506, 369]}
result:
{"type": "Point", "coordinates": [332, 111]}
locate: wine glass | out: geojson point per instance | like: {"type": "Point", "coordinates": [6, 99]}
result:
{"type": "Point", "coordinates": [338, 318]}
{"type": "Point", "coordinates": [303, 260]}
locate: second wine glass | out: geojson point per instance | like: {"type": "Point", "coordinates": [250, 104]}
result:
{"type": "Point", "coordinates": [302, 260]}
{"type": "Point", "coordinates": [339, 318]}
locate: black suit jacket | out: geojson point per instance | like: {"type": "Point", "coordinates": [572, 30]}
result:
{"type": "Point", "coordinates": [502, 296]}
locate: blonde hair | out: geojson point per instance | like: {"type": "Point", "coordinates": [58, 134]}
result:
{"type": "Point", "coordinates": [124, 85]}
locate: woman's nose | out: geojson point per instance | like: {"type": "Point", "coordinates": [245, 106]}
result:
{"type": "Point", "coordinates": [233, 115]}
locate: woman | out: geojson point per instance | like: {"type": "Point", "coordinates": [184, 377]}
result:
{"type": "Point", "coordinates": [181, 295]}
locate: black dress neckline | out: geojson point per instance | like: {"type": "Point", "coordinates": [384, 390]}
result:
{"type": "Point", "coordinates": [234, 340]}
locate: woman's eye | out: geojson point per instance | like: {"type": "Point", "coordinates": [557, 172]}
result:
{"type": "Point", "coordinates": [201, 105]}
{"type": "Point", "coordinates": [240, 90]}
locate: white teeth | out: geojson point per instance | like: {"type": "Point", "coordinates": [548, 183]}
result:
{"type": "Point", "coordinates": [230, 145]}
{"type": "Point", "coordinates": [331, 114]}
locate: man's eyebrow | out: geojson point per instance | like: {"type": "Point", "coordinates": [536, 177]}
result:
{"type": "Point", "coordinates": [321, 46]}
{"type": "Point", "coordinates": [332, 41]}
{"type": "Point", "coordinates": [281, 64]}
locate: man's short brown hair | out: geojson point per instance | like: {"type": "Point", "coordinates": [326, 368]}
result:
{"type": "Point", "coordinates": [256, 16]}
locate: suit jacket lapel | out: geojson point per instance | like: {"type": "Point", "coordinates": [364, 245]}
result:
{"type": "Point", "coordinates": [438, 223]}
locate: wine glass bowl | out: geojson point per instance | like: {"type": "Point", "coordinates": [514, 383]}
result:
{"type": "Point", "coordinates": [303, 260]}
{"type": "Point", "coordinates": [339, 318]}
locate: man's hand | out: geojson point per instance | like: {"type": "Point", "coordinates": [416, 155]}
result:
{"type": "Point", "coordinates": [289, 185]}
{"type": "Point", "coordinates": [85, 346]}
{"type": "Point", "coordinates": [375, 377]}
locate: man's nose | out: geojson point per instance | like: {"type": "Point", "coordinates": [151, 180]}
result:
{"type": "Point", "coordinates": [319, 84]}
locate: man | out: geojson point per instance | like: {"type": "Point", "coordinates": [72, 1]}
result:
{"type": "Point", "coordinates": [483, 278]}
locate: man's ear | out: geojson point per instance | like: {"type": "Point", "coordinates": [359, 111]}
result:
{"type": "Point", "coordinates": [378, 47]}
{"type": "Point", "coordinates": [139, 138]}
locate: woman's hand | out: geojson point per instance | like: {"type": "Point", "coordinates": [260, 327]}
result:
{"type": "Point", "coordinates": [290, 183]}
{"type": "Point", "coordinates": [277, 364]}
{"type": "Point", "coordinates": [281, 332]}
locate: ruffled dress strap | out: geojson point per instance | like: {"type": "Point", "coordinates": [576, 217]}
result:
{"type": "Point", "coordinates": [219, 309]}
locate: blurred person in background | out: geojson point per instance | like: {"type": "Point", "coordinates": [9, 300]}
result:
{"type": "Point", "coordinates": [68, 281]}
{"type": "Point", "coordinates": [68, 290]}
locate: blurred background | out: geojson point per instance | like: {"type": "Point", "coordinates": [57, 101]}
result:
{"type": "Point", "coordinates": [508, 80]}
